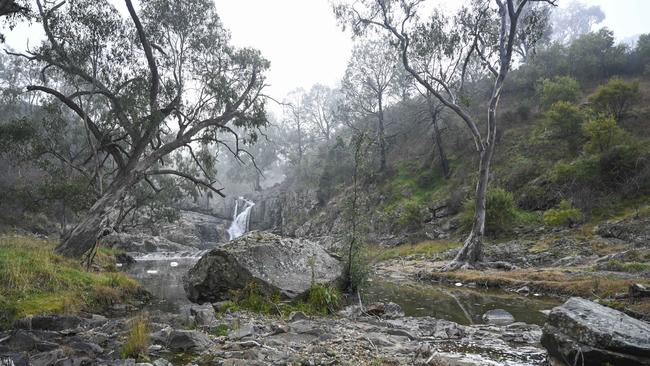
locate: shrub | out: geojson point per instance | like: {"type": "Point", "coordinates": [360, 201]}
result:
{"type": "Point", "coordinates": [602, 134]}
{"type": "Point", "coordinates": [616, 97]}
{"type": "Point", "coordinates": [621, 163]}
{"type": "Point", "coordinates": [564, 215]}
{"type": "Point", "coordinates": [565, 121]}
{"type": "Point", "coordinates": [137, 341]}
{"type": "Point", "coordinates": [559, 89]}
{"type": "Point", "coordinates": [581, 170]}
{"type": "Point", "coordinates": [502, 213]}
{"type": "Point", "coordinates": [411, 217]}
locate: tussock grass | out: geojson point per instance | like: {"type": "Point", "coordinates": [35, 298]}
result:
{"type": "Point", "coordinates": [137, 340]}
{"type": "Point", "coordinates": [34, 281]}
{"type": "Point", "coordinates": [425, 249]}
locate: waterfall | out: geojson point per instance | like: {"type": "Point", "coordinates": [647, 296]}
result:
{"type": "Point", "coordinates": [240, 220]}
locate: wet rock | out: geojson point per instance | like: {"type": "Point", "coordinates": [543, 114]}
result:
{"type": "Point", "coordinates": [524, 290]}
{"type": "Point", "coordinates": [188, 340]}
{"type": "Point", "coordinates": [196, 230]}
{"type": "Point", "coordinates": [204, 316]}
{"type": "Point", "coordinates": [388, 310]}
{"type": "Point", "coordinates": [276, 264]}
{"type": "Point", "coordinates": [143, 243]}
{"type": "Point", "coordinates": [498, 317]}
{"type": "Point", "coordinates": [596, 335]}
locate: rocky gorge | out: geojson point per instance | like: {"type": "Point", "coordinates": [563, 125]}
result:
{"type": "Point", "coordinates": [383, 329]}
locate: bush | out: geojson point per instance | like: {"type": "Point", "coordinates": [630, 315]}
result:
{"type": "Point", "coordinates": [602, 134]}
{"type": "Point", "coordinates": [565, 121]}
{"type": "Point", "coordinates": [502, 213]}
{"type": "Point", "coordinates": [621, 163]}
{"type": "Point", "coordinates": [616, 97]}
{"type": "Point", "coordinates": [559, 89]}
{"type": "Point", "coordinates": [411, 217]}
{"type": "Point", "coordinates": [564, 215]}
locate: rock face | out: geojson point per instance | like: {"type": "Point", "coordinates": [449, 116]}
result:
{"type": "Point", "coordinates": [594, 334]}
{"type": "Point", "coordinates": [274, 263]}
{"type": "Point", "coordinates": [192, 231]}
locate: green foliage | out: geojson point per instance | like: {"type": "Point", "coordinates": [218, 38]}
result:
{"type": "Point", "coordinates": [137, 341]}
{"type": "Point", "coordinates": [36, 281]}
{"type": "Point", "coordinates": [502, 213]}
{"type": "Point", "coordinates": [358, 270]}
{"type": "Point", "coordinates": [632, 267]}
{"type": "Point", "coordinates": [252, 298]}
{"type": "Point", "coordinates": [565, 121]}
{"type": "Point", "coordinates": [616, 97]}
{"type": "Point", "coordinates": [559, 89]}
{"type": "Point", "coordinates": [582, 170]}
{"type": "Point", "coordinates": [15, 134]}
{"type": "Point", "coordinates": [564, 215]}
{"type": "Point", "coordinates": [602, 134]}
{"type": "Point", "coordinates": [323, 298]}
{"type": "Point", "coordinates": [425, 250]}
{"type": "Point", "coordinates": [221, 330]}
{"type": "Point", "coordinates": [412, 216]}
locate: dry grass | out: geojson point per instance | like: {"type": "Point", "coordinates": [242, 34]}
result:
{"type": "Point", "coordinates": [425, 250]}
{"type": "Point", "coordinates": [547, 281]}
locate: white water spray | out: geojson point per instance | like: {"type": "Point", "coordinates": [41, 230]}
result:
{"type": "Point", "coordinates": [241, 220]}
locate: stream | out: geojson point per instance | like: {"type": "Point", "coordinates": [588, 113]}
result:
{"type": "Point", "coordinates": [162, 275]}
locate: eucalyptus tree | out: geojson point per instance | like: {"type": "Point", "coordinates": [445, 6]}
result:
{"type": "Point", "coordinates": [321, 106]}
{"type": "Point", "coordinates": [574, 20]}
{"type": "Point", "coordinates": [12, 11]}
{"type": "Point", "coordinates": [297, 126]}
{"type": "Point", "coordinates": [483, 31]}
{"type": "Point", "coordinates": [368, 85]}
{"type": "Point", "coordinates": [147, 84]}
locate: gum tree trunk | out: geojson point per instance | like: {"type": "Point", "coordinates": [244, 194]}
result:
{"type": "Point", "coordinates": [382, 137]}
{"type": "Point", "coordinates": [87, 232]}
{"type": "Point", "coordinates": [472, 251]}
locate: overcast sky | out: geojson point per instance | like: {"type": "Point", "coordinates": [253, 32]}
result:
{"type": "Point", "coordinates": [305, 45]}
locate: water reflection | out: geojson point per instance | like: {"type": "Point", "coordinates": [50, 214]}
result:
{"type": "Point", "coordinates": [461, 305]}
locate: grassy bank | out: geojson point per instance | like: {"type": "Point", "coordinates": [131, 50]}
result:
{"type": "Point", "coordinates": [37, 281]}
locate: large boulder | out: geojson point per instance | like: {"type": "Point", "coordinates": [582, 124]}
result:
{"type": "Point", "coordinates": [277, 265]}
{"type": "Point", "coordinates": [585, 333]}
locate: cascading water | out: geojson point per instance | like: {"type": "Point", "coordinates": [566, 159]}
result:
{"type": "Point", "coordinates": [241, 220]}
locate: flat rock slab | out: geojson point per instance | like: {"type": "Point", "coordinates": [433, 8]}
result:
{"type": "Point", "coordinates": [277, 265]}
{"type": "Point", "coordinates": [584, 330]}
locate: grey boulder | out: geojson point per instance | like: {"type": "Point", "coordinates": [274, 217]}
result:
{"type": "Point", "coordinates": [275, 264]}
{"type": "Point", "coordinates": [586, 333]}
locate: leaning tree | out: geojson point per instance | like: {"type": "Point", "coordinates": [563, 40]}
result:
{"type": "Point", "coordinates": [485, 32]}
{"type": "Point", "coordinates": [159, 80]}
